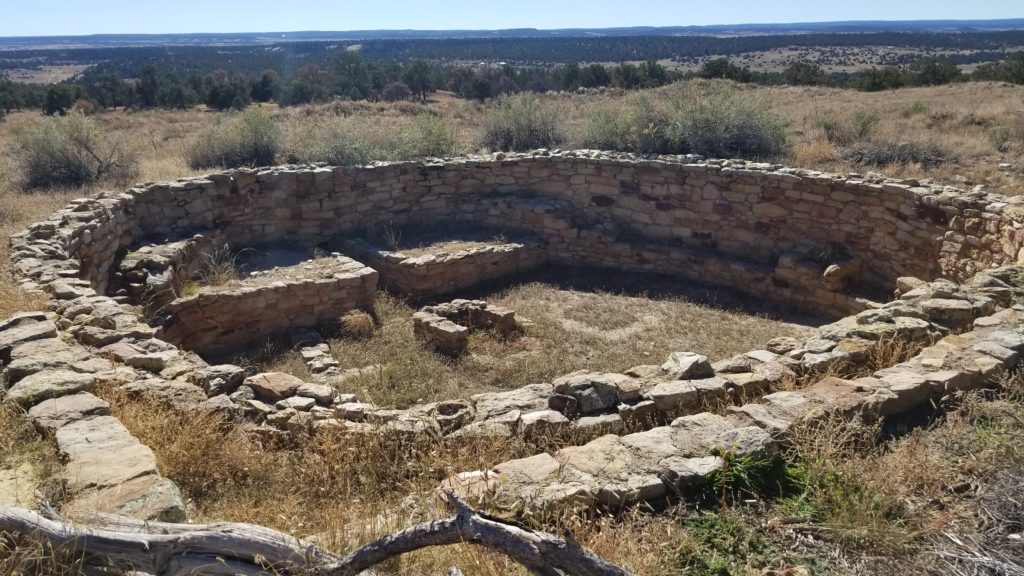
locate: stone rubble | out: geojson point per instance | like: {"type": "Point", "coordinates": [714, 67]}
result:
{"type": "Point", "coordinates": [446, 327]}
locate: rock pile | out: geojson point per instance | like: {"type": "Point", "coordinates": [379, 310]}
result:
{"type": "Point", "coordinates": [446, 327]}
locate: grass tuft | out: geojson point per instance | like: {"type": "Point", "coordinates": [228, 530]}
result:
{"type": "Point", "coordinates": [357, 325]}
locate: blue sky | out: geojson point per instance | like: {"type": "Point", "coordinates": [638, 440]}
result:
{"type": "Point", "coordinates": [64, 17]}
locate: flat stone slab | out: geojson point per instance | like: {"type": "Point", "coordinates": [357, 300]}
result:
{"type": "Point", "coordinates": [675, 395]}
{"type": "Point", "coordinates": [273, 386]}
{"type": "Point", "coordinates": [150, 497]}
{"type": "Point", "coordinates": [68, 361]}
{"type": "Point", "coordinates": [321, 393]}
{"type": "Point", "coordinates": [175, 393]}
{"type": "Point", "coordinates": [25, 332]}
{"type": "Point", "coordinates": [41, 386]}
{"type": "Point", "coordinates": [100, 452]}
{"type": "Point", "coordinates": [55, 413]}
{"type": "Point", "coordinates": [687, 366]}
{"type": "Point", "coordinates": [526, 399]}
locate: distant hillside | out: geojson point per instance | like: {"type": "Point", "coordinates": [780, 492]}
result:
{"type": "Point", "coordinates": [867, 26]}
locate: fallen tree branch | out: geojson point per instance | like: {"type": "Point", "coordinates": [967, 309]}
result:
{"type": "Point", "coordinates": [179, 549]}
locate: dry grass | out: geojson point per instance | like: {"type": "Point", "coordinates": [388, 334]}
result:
{"type": "Point", "coordinates": [339, 489]}
{"type": "Point", "coordinates": [218, 267]}
{"type": "Point", "coordinates": [20, 446]}
{"type": "Point", "coordinates": [572, 327]}
{"type": "Point", "coordinates": [852, 505]}
{"type": "Point", "coordinates": [18, 439]}
{"type": "Point", "coordinates": [357, 325]}
{"type": "Point", "coordinates": [959, 118]}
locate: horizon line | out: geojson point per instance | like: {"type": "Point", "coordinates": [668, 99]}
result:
{"type": "Point", "coordinates": [991, 21]}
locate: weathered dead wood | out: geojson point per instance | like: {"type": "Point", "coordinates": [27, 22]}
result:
{"type": "Point", "coordinates": [178, 549]}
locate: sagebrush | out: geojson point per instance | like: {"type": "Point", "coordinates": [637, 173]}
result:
{"type": "Point", "coordinates": [251, 139]}
{"type": "Point", "coordinates": [522, 122]}
{"type": "Point", "coordinates": [710, 118]}
{"type": "Point", "coordinates": [71, 151]}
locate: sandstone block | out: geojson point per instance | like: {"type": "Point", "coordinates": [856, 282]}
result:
{"type": "Point", "coordinates": [273, 386]}
{"type": "Point", "coordinates": [41, 386]}
{"type": "Point", "coordinates": [55, 413]}
{"type": "Point", "coordinates": [687, 366]}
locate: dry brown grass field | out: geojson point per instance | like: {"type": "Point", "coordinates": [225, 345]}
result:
{"type": "Point", "coordinates": [930, 500]}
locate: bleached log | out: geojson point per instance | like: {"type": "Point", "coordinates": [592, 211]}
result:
{"type": "Point", "coordinates": [225, 548]}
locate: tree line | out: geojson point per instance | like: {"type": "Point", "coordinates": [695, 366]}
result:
{"type": "Point", "coordinates": [347, 76]}
{"type": "Point", "coordinates": [351, 76]}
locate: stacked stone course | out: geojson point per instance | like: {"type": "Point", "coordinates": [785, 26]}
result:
{"type": "Point", "coordinates": [217, 321]}
{"type": "Point", "coordinates": [725, 222]}
{"type": "Point", "coordinates": [437, 274]}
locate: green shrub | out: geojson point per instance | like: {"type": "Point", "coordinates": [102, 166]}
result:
{"type": "Point", "coordinates": [249, 139]}
{"type": "Point", "coordinates": [711, 118]}
{"type": "Point", "coordinates": [348, 141]}
{"type": "Point", "coordinates": [522, 122]}
{"type": "Point", "coordinates": [429, 136]}
{"type": "Point", "coordinates": [1006, 138]}
{"type": "Point", "coordinates": [634, 126]}
{"type": "Point", "coordinates": [337, 141]}
{"type": "Point", "coordinates": [914, 108]}
{"type": "Point", "coordinates": [1001, 138]}
{"type": "Point", "coordinates": [70, 151]}
{"type": "Point", "coordinates": [715, 119]}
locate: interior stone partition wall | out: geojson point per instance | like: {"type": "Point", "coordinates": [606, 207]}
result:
{"type": "Point", "coordinates": [221, 320]}
{"type": "Point", "coordinates": [436, 274]}
{"type": "Point", "coordinates": [722, 222]}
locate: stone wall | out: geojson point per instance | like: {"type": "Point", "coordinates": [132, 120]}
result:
{"type": "Point", "coordinates": [616, 470]}
{"type": "Point", "coordinates": [215, 322]}
{"type": "Point", "coordinates": [437, 274]}
{"type": "Point", "coordinates": [744, 225]}
{"type": "Point", "coordinates": [724, 222]}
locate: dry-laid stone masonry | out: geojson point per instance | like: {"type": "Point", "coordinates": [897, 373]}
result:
{"type": "Point", "coordinates": [439, 273]}
{"type": "Point", "coordinates": [740, 224]}
{"type": "Point", "coordinates": [219, 319]}
{"type": "Point", "coordinates": [815, 241]}
{"type": "Point", "coordinates": [105, 468]}
{"type": "Point", "coordinates": [149, 274]}
{"type": "Point", "coordinates": [615, 470]}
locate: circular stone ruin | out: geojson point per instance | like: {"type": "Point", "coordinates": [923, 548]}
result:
{"type": "Point", "coordinates": [815, 242]}
{"type": "Point", "coordinates": [830, 245]}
